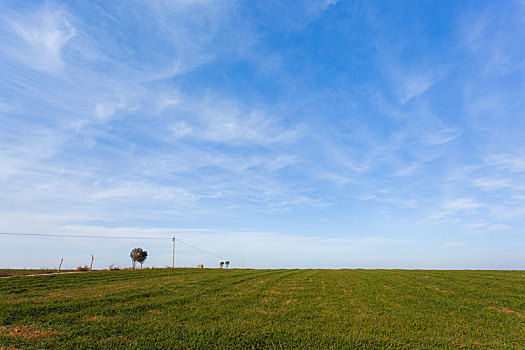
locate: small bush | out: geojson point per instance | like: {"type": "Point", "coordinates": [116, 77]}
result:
{"type": "Point", "coordinates": [114, 267]}
{"type": "Point", "coordinates": [82, 268]}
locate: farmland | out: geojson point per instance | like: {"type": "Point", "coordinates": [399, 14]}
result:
{"type": "Point", "coordinates": [24, 272]}
{"type": "Point", "coordinates": [211, 308]}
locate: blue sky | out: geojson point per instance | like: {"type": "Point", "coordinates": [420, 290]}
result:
{"type": "Point", "coordinates": [286, 134]}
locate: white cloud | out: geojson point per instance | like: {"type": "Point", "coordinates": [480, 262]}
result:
{"type": "Point", "coordinates": [406, 171]}
{"type": "Point", "coordinates": [486, 36]}
{"type": "Point", "coordinates": [498, 227]}
{"type": "Point", "coordinates": [510, 211]}
{"type": "Point", "coordinates": [461, 204]}
{"type": "Point", "coordinates": [104, 111]}
{"type": "Point", "coordinates": [228, 122]}
{"type": "Point", "coordinates": [451, 207]}
{"type": "Point", "coordinates": [181, 129]}
{"type": "Point", "coordinates": [336, 178]}
{"type": "Point", "coordinates": [487, 226]}
{"type": "Point", "coordinates": [474, 225]}
{"type": "Point", "coordinates": [322, 5]}
{"type": "Point", "coordinates": [513, 162]}
{"type": "Point", "coordinates": [441, 137]}
{"type": "Point", "coordinates": [168, 101]}
{"type": "Point", "coordinates": [415, 84]}
{"type": "Point", "coordinates": [491, 183]}
{"type": "Point", "coordinates": [44, 34]}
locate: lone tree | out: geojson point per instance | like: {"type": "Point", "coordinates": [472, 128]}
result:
{"type": "Point", "coordinates": [138, 255]}
{"type": "Point", "coordinates": [227, 263]}
{"type": "Point", "coordinates": [221, 264]}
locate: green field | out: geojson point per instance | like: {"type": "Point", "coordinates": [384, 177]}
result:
{"type": "Point", "coordinates": [244, 309]}
{"type": "Point", "coordinates": [23, 272]}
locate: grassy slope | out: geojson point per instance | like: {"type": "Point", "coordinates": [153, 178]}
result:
{"type": "Point", "coordinates": [193, 308]}
{"type": "Point", "coordinates": [22, 272]}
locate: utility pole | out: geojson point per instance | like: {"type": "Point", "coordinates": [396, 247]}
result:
{"type": "Point", "coordinates": [92, 258]}
{"type": "Point", "coordinates": [173, 262]}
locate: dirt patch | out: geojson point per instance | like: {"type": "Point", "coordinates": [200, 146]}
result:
{"type": "Point", "coordinates": [507, 311]}
{"type": "Point", "coordinates": [122, 286]}
{"type": "Point", "coordinates": [296, 288]}
{"type": "Point", "coordinates": [25, 300]}
{"type": "Point", "coordinates": [262, 312]}
{"type": "Point", "coordinates": [59, 295]}
{"type": "Point", "coordinates": [118, 339]}
{"type": "Point", "coordinates": [28, 332]}
{"type": "Point", "coordinates": [93, 318]}
{"type": "Point", "coordinates": [154, 312]}
{"type": "Point", "coordinates": [440, 290]}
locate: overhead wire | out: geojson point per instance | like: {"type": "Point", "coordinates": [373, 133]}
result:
{"type": "Point", "coordinates": [204, 251]}
{"type": "Point", "coordinates": [75, 236]}
{"type": "Point", "coordinates": [113, 237]}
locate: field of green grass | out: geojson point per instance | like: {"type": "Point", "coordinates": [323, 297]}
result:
{"type": "Point", "coordinates": [253, 309]}
{"type": "Point", "coordinates": [24, 272]}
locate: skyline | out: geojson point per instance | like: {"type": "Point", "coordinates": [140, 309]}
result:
{"type": "Point", "coordinates": [322, 134]}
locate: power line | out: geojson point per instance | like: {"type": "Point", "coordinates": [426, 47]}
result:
{"type": "Point", "coordinates": [204, 251]}
{"type": "Point", "coordinates": [112, 237]}
{"type": "Point", "coordinates": [75, 236]}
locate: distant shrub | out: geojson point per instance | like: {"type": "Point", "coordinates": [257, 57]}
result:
{"type": "Point", "coordinates": [82, 268]}
{"type": "Point", "coordinates": [114, 267]}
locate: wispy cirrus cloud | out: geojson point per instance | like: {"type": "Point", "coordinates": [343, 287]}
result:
{"type": "Point", "coordinates": [461, 204]}
{"type": "Point", "coordinates": [38, 37]}
{"type": "Point", "coordinates": [413, 84]}
{"type": "Point", "coordinates": [227, 122]}
{"type": "Point", "coordinates": [442, 136]}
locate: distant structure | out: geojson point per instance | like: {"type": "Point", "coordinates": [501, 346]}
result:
{"type": "Point", "coordinates": [200, 266]}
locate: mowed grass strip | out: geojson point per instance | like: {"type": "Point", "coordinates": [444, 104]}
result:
{"type": "Point", "coordinates": [243, 309]}
{"type": "Point", "coordinates": [23, 272]}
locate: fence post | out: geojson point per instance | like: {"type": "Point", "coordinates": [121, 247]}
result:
{"type": "Point", "coordinates": [61, 260]}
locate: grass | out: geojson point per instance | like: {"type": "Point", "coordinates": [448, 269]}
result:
{"type": "Point", "coordinates": [253, 309]}
{"type": "Point", "coordinates": [23, 272]}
